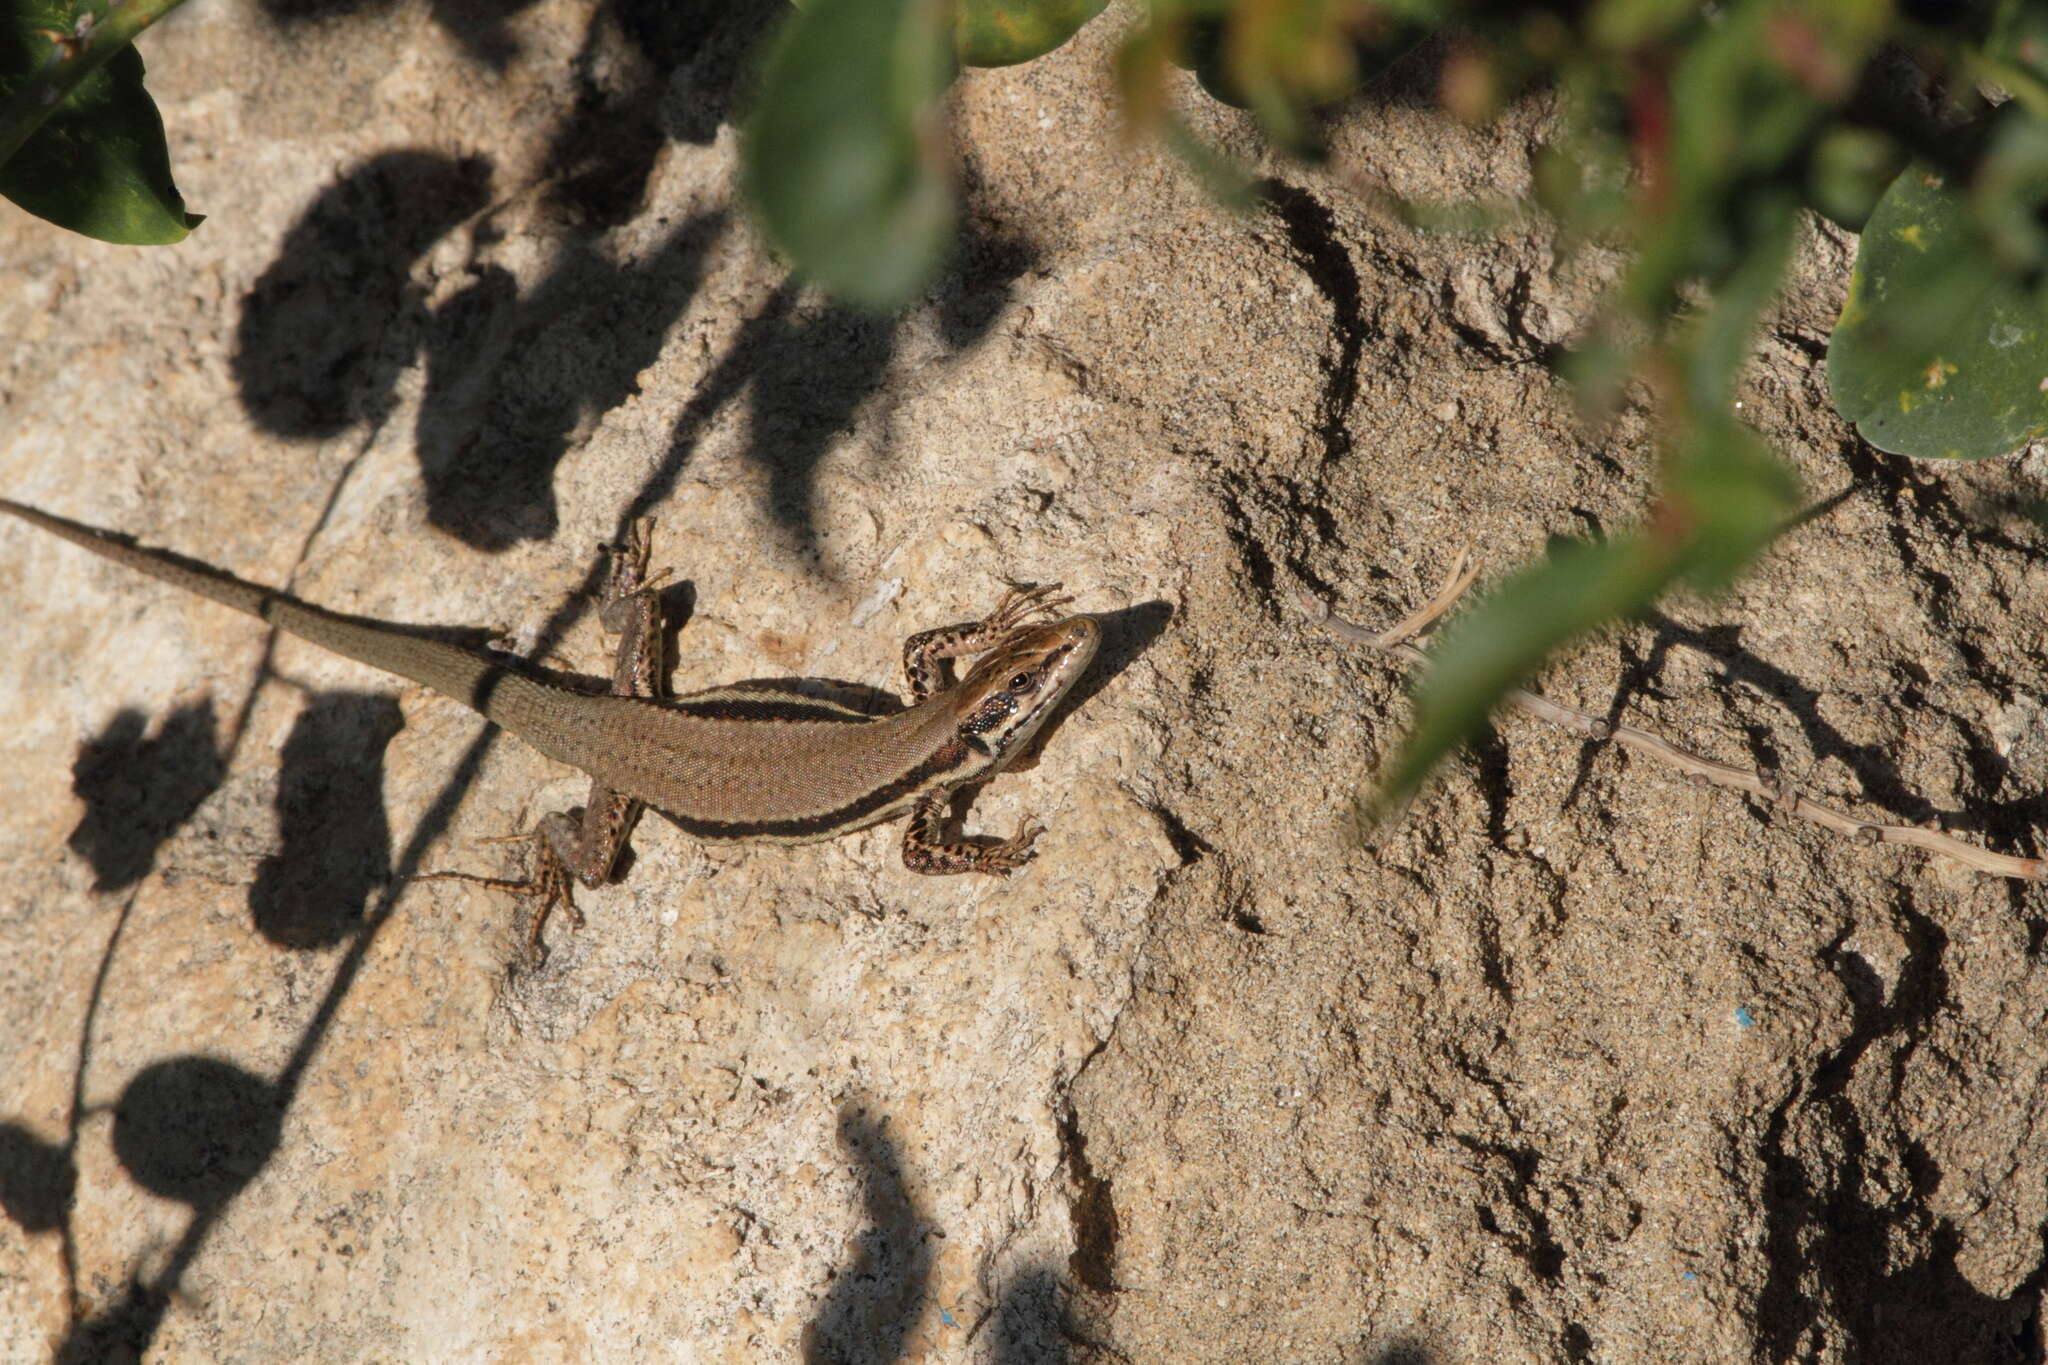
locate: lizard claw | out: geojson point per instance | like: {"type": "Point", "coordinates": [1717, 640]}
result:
{"type": "Point", "coordinates": [1012, 853]}
{"type": "Point", "coordinates": [1020, 605]}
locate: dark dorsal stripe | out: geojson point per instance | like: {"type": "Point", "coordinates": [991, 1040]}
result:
{"type": "Point", "coordinates": [785, 707]}
{"type": "Point", "coordinates": [870, 805]}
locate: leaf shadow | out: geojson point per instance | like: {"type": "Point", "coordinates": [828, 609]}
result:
{"type": "Point", "coordinates": [139, 788]}
{"type": "Point", "coordinates": [877, 1296]}
{"type": "Point", "coordinates": [317, 347]}
{"type": "Point", "coordinates": [334, 843]}
{"type": "Point", "coordinates": [1871, 764]}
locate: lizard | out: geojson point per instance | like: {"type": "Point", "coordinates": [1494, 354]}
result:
{"type": "Point", "coordinates": [755, 761]}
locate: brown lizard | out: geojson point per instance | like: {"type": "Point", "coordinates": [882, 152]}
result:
{"type": "Point", "coordinates": [759, 760]}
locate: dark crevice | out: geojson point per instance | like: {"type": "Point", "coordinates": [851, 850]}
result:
{"type": "Point", "coordinates": [1535, 1245]}
{"type": "Point", "coordinates": [1490, 769]}
{"type": "Point", "coordinates": [1492, 964]}
{"type": "Point", "coordinates": [1095, 1222]}
{"type": "Point", "coordinates": [1814, 348]}
{"type": "Point", "coordinates": [1986, 766]}
{"type": "Point", "coordinates": [1190, 846]}
{"type": "Point", "coordinates": [1917, 491]}
{"type": "Point", "coordinates": [1312, 232]}
{"type": "Point", "coordinates": [1258, 565]}
{"type": "Point", "coordinates": [1300, 512]}
{"type": "Point", "coordinates": [1842, 1200]}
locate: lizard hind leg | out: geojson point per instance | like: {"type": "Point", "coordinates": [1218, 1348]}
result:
{"type": "Point", "coordinates": [569, 851]}
{"type": "Point", "coordinates": [550, 883]}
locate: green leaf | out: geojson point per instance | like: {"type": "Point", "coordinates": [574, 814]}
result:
{"type": "Point", "coordinates": [1004, 32]}
{"type": "Point", "coordinates": [1850, 169]}
{"type": "Point", "coordinates": [1939, 353]}
{"type": "Point", "coordinates": [2019, 38]}
{"type": "Point", "coordinates": [88, 144]}
{"type": "Point", "coordinates": [1727, 497]}
{"type": "Point", "coordinates": [1718, 338]}
{"type": "Point", "coordinates": [1579, 585]}
{"type": "Point", "coordinates": [844, 157]}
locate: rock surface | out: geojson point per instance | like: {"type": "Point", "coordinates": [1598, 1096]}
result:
{"type": "Point", "coordinates": [1575, 1061]}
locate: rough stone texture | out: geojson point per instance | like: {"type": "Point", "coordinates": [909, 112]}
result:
{"type": "Point", "coordinates": [1575, 1061]}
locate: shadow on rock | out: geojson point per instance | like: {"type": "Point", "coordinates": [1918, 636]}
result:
{"type": "Point", "coordinates": [513, 378]}
{"type": "Point", "coordinates": [1030, 1323]}
{"type": "Point", "coordinates": [37, 1179]}
{"type": "Point", "coordinates": [1858, 1262]}
{"type": "Point", "coordinates": [138, 790]}
{"type": "Point", "coordinates": [877, 1298]}
{"type": "Point", "coordinates": [318, 345]}
{"type": "Point", "coordinates": [334, 842]}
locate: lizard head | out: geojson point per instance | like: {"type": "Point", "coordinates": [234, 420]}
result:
{"type": "Point", "coordinates": [1011, 689]}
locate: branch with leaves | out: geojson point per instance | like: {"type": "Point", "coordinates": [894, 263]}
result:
{"type": "Point", "coordinates": [1773, 787]}
{"type": "Point", "coordinates": [1695, 137]}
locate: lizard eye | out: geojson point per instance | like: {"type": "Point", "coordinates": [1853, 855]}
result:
{"type": "Point", "coordinates": [1020, 682]}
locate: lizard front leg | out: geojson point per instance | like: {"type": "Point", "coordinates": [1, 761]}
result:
{"type": "Point", "coordinates": [923, 651]}
{"type": "Point", "coordinates": [588, 850]}
{"type": "Point", "coordinates": [926, 849]}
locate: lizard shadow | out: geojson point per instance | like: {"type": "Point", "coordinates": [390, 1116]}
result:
{"type": "Point", "coordinates": [1127, 632]}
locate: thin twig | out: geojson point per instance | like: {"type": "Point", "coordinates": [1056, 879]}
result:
{"type": "Point", "coordinates": [1772, 787]}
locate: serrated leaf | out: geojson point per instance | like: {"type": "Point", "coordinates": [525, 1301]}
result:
{"type": "Point", "coordinates": [844, 155]}
{"type": "Point", "coordinates": [98, 163]}
{"type": "Point", "coordinates": [1004, 32]}
{"type": "Point", "coordinates": [1938, 353]}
